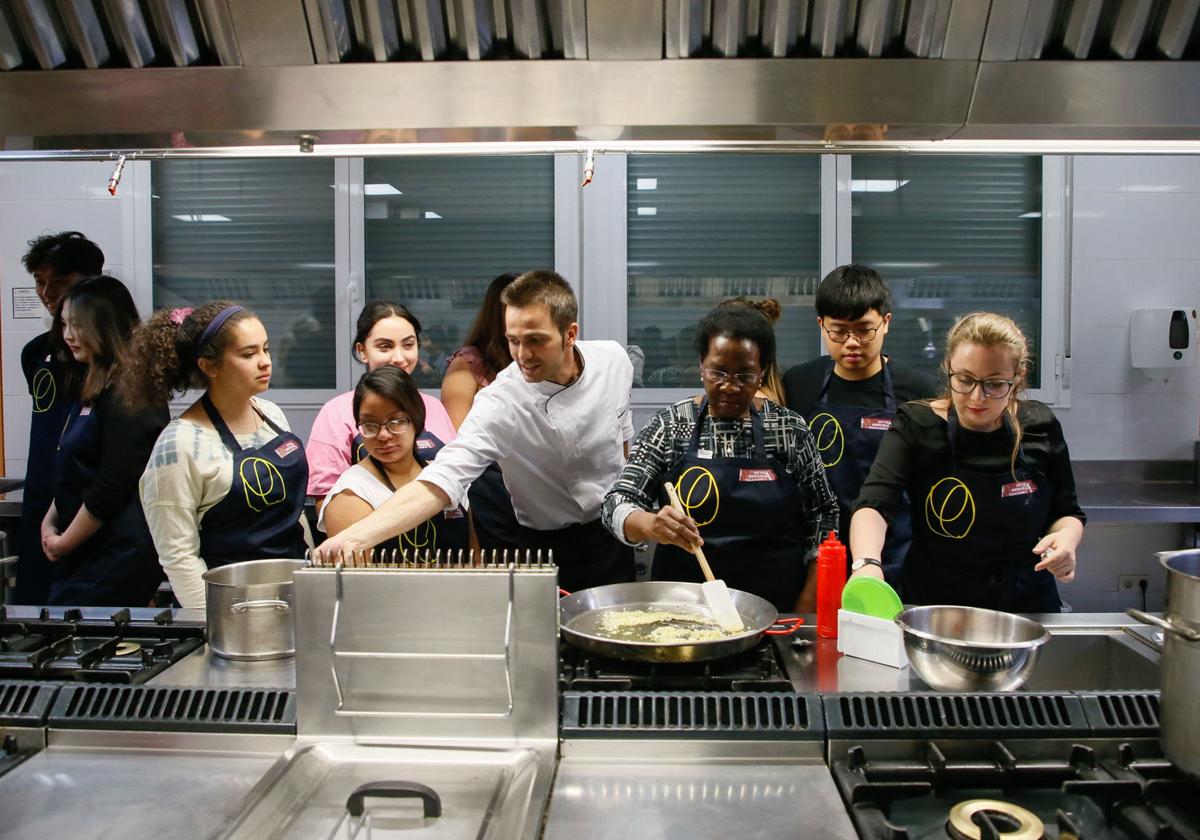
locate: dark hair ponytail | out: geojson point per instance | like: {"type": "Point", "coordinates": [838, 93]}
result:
{"type": "Point", "coordinates": [163, 354]}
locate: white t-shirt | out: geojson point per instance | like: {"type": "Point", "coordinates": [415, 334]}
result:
{"type": "Point", "coordinates": [362, 483]}
{"type": "Point", "coordinates": [560, 447]}
{"type": "Point", "coordinates": [191, 470]}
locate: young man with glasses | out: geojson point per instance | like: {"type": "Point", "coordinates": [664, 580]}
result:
{"type": "Point", "coordinates": [850, 397]}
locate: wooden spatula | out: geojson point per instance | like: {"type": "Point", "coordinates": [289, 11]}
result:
{"type": "Point", "coordinates": [716, 593]}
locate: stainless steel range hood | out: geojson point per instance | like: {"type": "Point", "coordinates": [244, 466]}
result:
{"type": "Point", "coordinates": [186, 74]}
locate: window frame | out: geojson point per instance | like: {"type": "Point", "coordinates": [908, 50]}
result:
{"type": "Point", "coordinates": [590, 250]}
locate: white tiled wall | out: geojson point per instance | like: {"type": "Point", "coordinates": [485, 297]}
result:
{"type": "Point", "coordinates": [1136, 244]}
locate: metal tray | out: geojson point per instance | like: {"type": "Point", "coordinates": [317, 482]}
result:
{"type": "Point", "coordinates": [483, 793]}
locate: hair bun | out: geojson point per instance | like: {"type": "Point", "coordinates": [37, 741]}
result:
{"type": "Point", "coordinates": [770, 308]}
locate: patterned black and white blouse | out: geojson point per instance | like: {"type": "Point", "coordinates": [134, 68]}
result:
{"type": "Point", "coordinates": [663, 443]}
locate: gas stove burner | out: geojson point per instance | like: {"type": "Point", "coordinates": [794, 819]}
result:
{"type": "Point", "coordinates": [1011, 822]}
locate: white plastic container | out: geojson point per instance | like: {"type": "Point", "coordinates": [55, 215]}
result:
{"type": "Point", "coordinates": [874, 639]}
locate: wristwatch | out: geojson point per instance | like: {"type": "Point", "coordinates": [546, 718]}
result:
{"type": "Point", "coordinates": [859, 562]}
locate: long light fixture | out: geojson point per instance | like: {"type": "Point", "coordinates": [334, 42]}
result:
{"type": "Point", "coordinates": [202, 217]}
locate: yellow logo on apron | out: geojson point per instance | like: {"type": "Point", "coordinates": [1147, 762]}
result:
{"type": "Point", "coordinates": [830, 439]}
{"type": "Point", "coordinates": [421, 538]}
{"type": "Point", "coordinates": [950, 509]}
{"type": "Point", "coordinates": [699, 495]}
{"type": "Point", "coordinates": [44, 391]}
{"type": "Point", "coordinates": [262, 484]}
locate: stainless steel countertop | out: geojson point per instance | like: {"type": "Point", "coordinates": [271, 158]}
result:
{"type": "Point", "coordinates": [1134, 502]}
{"type": "Point", "coordinates": [1086, 651]}
{"type": "Point", "coordinates": [204, 669]}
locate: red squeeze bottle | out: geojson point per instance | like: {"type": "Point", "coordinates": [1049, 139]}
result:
{"type": "Point", "coordinates": [831, 577]}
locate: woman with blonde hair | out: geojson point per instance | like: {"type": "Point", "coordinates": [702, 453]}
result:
{"type": "Point", "coordinates": [994, 513]}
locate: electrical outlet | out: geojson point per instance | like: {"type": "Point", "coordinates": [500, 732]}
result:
{"type": "Point", "coordinates": [1135, 583]}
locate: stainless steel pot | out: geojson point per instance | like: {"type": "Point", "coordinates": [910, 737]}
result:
{"type": "Point", "coordinates": [250, 609]}
{"type": "Point", "coordinates": [580, 614]}
{"type": "Point", "coordinates": [1179, 724]}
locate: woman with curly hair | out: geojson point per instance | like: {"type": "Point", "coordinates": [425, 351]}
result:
{"type": "Point", "coordinates": [226, 480]}
{"type": "Point", "coordinates": [94, 533]}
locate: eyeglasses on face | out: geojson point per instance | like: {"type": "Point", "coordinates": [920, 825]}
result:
{"type": "Point", "coordinates": [993, 389]}
{"type": "Point", "coordinates": [720, 377]}
{"type": "Point", "coordinates": [394, 426]}
{"type": "Point", "coordinates": [840, 335]}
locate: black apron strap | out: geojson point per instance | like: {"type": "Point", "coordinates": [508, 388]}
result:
{"type": "Point", "coordinates": [227, 436]}
{"type": "Point", "coordinates": [756, 429]}
{"type": "Point", "coordinates": [889, 390]}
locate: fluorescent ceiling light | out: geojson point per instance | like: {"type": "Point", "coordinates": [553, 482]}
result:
{"type": "Point", "coordinates": [1032, 214]}
{"type": "Point", "coordinates": [429, 214]}
{"type": "Point", "coordinates": [873, 185]}
{"type": "Point", "coordinates": [647, 183]}
{"type": "Point", "coordinates": [202, 217]}
{"type": "Point", "coordinates": [647, 211]}
{"type": "Point", "coordinates": [380, 189]}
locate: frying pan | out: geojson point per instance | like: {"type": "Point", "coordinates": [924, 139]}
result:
{"type": "Point", "coordinates": [580, 613]}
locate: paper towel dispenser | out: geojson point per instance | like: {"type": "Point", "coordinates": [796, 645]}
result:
{"type": "Point", "coordinates": [1163, 338]}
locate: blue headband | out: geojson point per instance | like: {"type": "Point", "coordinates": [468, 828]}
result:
{"type": "Point", "coordinates": [215, 325]}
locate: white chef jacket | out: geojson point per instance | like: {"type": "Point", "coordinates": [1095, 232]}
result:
{"type": "Point", "coordinates": [560, 447]}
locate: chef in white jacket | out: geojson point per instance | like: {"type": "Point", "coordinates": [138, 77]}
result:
{"type": "Point", "coordinates": [557, 421]}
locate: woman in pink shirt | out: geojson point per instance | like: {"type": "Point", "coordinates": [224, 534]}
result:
{"type": "Point", "coordinates": [388, 334]}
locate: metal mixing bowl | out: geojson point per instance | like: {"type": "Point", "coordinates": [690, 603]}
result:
{"type": "Point", "coordinates": [970, 649]}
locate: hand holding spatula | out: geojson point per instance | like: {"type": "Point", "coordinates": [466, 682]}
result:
{"type": "Point", "coordinates": [716, 593]}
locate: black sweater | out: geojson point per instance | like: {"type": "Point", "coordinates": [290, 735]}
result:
{"type": "Point", "coordinates": [802, 386]}
{"type": "Point", "coordinates": [917, 447]}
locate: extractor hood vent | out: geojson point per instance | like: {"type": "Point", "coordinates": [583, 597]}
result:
{"type": "Point", "coordinates": [150, 74]}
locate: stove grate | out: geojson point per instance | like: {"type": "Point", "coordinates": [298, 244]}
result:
{"type": "Point", "coordinates": [1121, 712]}
{"type": "Point", "coordinates": [757, 715]}
{"type": "Point", "coordinates": [926, 715]}
{"type": "Point", "coordinates": [24, 703]}
{"type": "Point", "coordinates": [174, 709]}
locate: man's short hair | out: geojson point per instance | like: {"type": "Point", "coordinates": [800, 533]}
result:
{"type": "Point", "coordinates": [68, 252]}
{"type": "Point", "coordinates": [546, 287]}
{"type": "Point", "coordinates": [851, 291]}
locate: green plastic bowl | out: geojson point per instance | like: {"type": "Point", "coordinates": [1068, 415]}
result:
{"type": "Point", "coordinates": [871, 596]}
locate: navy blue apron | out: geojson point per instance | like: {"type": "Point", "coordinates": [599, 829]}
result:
{"type": "Point", "coordinates": [446, 531]}
{"type": "Point", "coordinates": [747, 510]}
{"type": "Point", "coordinates": [117, 566]}
{"type": "Point", "coordinates": [848, 438]}
{"type": "Point", "coordinates": [50, 412]}
{"type": "Point", "coordinates": [496, 525]}
{"type": "Point", "coordinates": [260, 518]}
{"type": "Point", "coordinates": [973, 537]}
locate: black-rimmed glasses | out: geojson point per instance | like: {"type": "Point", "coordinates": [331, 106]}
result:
{"type": "Point", "coordinates": [993, 389]}
{"type": "Point", "coordinates": [840, 335]}
{"type": "Point", "coordinates": [720, 377]}
{"type": "Point", "coordinates": [395, 426]}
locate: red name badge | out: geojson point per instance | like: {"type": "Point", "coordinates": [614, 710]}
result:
{"type": "Point", "coordinates": [1018, 488]}
{"type": "Point", "coordinates": [425, 444]}
{"type": "Point", "coordinates": [85, 411]}
{"type": "Point", "coordinates": [756, 475]}
{"type": "Point", "coordinates": [876, 424]}
{"type": "Point", "coordinates": [286, 448]}
{"type": "Point", "coordinates": [453, 514]}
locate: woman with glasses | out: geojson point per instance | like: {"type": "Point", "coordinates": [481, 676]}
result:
{"type": "Point", "coordinates": [387, 334]}
{"type": "Point", "coordinates": [989, 482]}
{"type": "Point", "coordinates": [390, 415]}
{"type": "Point", "coordinates": [747, 473]}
